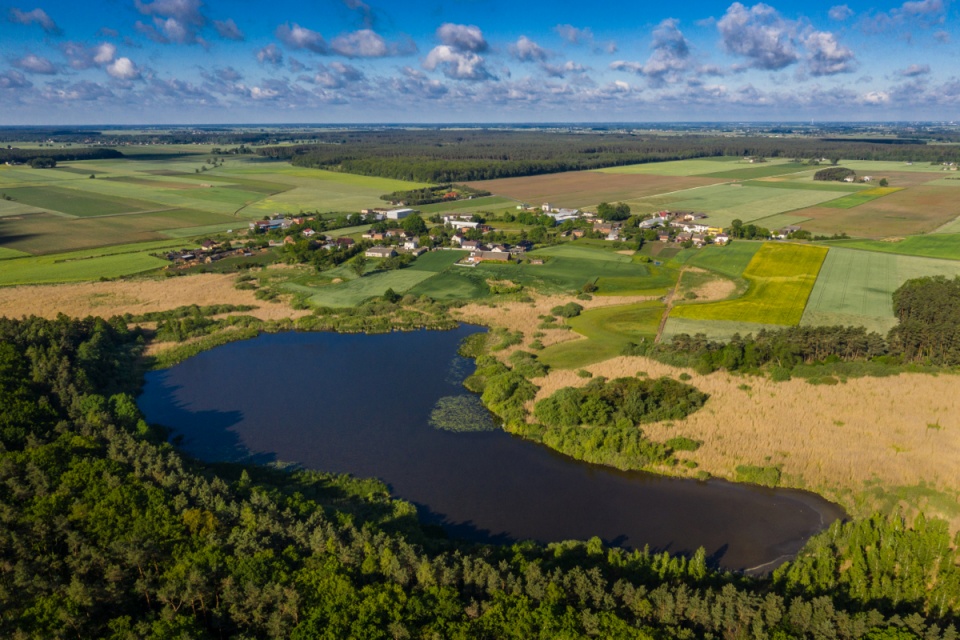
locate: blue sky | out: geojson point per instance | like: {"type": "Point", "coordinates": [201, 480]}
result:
{"type": "Point", "coordinates": [361, 61]}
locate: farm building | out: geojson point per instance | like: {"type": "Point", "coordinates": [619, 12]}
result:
{"type": "Point", "coordinates": [380, 252]}
{"type": "Point", "coordinates": [399, 214]}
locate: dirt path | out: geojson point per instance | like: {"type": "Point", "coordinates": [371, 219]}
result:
{"type": "Point", "coordinates": [668, 300]}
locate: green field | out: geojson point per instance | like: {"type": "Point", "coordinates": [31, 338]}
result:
{"type": "Point", "coordinates": [781, 277]}
{"type": "Point", "coordinates": [487, 203]}
{"type": "Point", "coordinates": [855, 287]}
{"type": "Point", "coordinates": [763, 170]}
{"type": "Point", "coordinates": [727, 202]}
{"type": "Point", "coordinates": [856, 199]}
{"type": "Point", "coordinates": [353, 292]}
{"type": "Point", "coordinates": [437, 261]}
{"type": "Point", "coordinates": [946, 246]}
{"type": "Point", "coordinates": [720, 330]}
{"type": "Point", "coordinates": [457, 283]}
{"type": "Point", "coordinates": [607, 330]}
{"type": "Point", "coordinates": [866, 167]}
{"type": "Point", "coordinates": [75, 202]}
{"type": "Point", "coordinates": [79, 266]}
{"type": "Point", "coordinates": [730, 260]}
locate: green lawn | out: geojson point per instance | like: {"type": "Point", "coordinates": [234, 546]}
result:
{"type": "Point", "coordinates": [607, 330]}
{"type": "Point", "coordinates": [945, 246]}
{"type": "Point", "coordinates": [486, 203]}
{"type": "Point", "coordinates": [456, 283]}
{"type": "Point", "coordinates": [762, 170]}
{"type": "Point", "coordinates": [855, 287]}
{"type": "Point", "coordinates": [781, 277]}
{"type": "Point", "coordinates": [569, 267]}
{"type": "Point", "coordinates": [78, 266]}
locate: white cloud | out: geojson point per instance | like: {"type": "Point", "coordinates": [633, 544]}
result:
{"type": "Point", "coordinates": [123, 69]}
{"type": "Point", "coordinates": [840, 12]}
{"type": "Point", "coordinates": [35, 64]}
{"type": "Point", "coordinates": [364, 43]}
{"type": "Point", "coordinates": [462, 37]}
{"type": "Point", "coordinates": [574, 35]}
{"type": "Point", "coordinates": [459, 65]}
{"type": "Point", "coordinates": [80, 56]}
{"type": "Point", "coordinates": [759, 34]}
{"type": "Point", "coordinates": [270, 54]}
{"type": "Point", "coordinates": [297, 37]}
{"type": "Point", "coordinates": [825, 56]}
{"type": "Point", "coordinates": [526, 50]}
{"type": "Point", "coordinates": [875, 98]}
{"type": "Point", "coordinates": [914, 71]}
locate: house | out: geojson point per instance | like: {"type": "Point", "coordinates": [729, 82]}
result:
{"type": "Point", "coordinates": [411, 244]}
{"type": "Point", "coordinates": [578, 233]}
{"type": "Point", "coordinates": [715, 230]}
{"type": "Point", "coordinates": [721, 239]}
{"type": "Point", "coordinates": [470, 244]}
{"type": "Point", "coordinates": [546, 207]}
{"type": "Point", "coordinates": [490, 256]}
{"type": "Point", "coordinates": [651, 223]}
{"type": "Point", "coordinates": [380, 252]}
{"type": "Point", "coordinates": [463, 224]}
{"type": "Point", "coordinates": [345, 242]}
{"type": "Point", "coordinates": [698, 240]}
{"type": "Point", "coordinates": [613, 235]}
{"type": "Point", "coordinates": [289, 240]}
{"type": "Point", "coordinates": [208, 245]}
{"type": "Point", "coordinates": [399, 214]}
{"type": "Point", "coordinates": [683, 237]}
{"type": "Point", "coordinates": [606, 227]}
{"type": "Point", "coordinates": [308, 233]}
{"type": "Point", "coordinates": [664, 237]}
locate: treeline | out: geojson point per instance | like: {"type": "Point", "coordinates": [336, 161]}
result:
{"type": "Point", "coordinates": [836, 174]}
{"type": "Point", "coordinates": [57, 155]}
{"type": "Point", "coordinates": [431, 195]}
{"type": "Point", "coordinates": [442, 156]}
{"type": "Point", "coordinates": [928, 311]}
{"type": "Point", "coordinates": [107, 531]}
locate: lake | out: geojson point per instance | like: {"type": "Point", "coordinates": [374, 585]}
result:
{"type": "Point", "coordinates": [360, 404]}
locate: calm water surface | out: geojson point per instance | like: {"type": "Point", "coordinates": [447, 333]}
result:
{"type": "Point", "coordinates": [360, 404]}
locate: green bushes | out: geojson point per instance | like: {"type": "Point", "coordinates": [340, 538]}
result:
{"type": "Point", "coordinates": [502, 390]}
{"type": "Point", "coordinates": [766, 476]}
{"type": "Point", "coordinates": [623, 402]}
{"type": "Point", "coordinates": [569, 310]}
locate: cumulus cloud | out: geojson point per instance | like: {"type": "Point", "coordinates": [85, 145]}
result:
{"type": "Point", "coordinates": [875, 98]}
{"type": "Point", "coordinates": [35, 64]}
{"type": "Point", "coordinates": [297, 37]}
{"type": "Point", "coordinates": [670, 57]}
{"type": "Point", "coordinates": [184, 11]}
{"type": "Point", "coordinates": [462, 37]}
{"type": "Point", "coordinates": [82, 91]}
{"type": "Point", "coordinates": [921, 13]}
{"type": "Point", "coordinates": [336, 75]}
{"type": "Point", "coordinates": [79, 56]}
{"type": "Point", "coordinates": [759, 34]}
{"type": "Point", "coordinates": [14, 80]}
{"type": "Point", "coordinates": [228, 29]}
{"type": "Point", "coordinates": [174, 21]}
{"type": "Point", "coordinates": [364, 43]}
{"type": "Point", "coordinates": [526, 50]}
{"type": "Point", "coordinates": [458, 65]}
{"type": "Point", "coordinates": [914, 71]}
{"type": "Point", "coordinates": [827, 57]}
{"type": "Point", "coordinates": [840, 12]}
{"type": "Point", "coordinates": [36, 16]}
{"type": "Point", "coordinates": [574, 35]}
{"type": "Point", "coordinates": [270, 54]}
{"type": "Point", "coordinates": [123, 69]}
{"type": "Point", "coordinates": [412, 82]}
{"type": "Point", "coordinates": [563, 70]}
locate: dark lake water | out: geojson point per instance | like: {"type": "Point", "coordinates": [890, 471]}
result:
{"type": "Point", "coordinates": [360, 404]}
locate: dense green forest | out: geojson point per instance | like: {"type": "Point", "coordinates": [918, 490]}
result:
{"type": "Point", "coordinates": [108, 531]}
{"type": "Point", "coordinates": [58, 155]}
{"type": "Point", "coordinates": [442, 156]}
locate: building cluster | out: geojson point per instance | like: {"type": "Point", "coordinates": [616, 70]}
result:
{"type": "Point", "coordinates": [685, 226]}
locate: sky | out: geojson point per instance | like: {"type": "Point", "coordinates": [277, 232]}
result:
{"type": "Point", "coordinates": [497, 61]}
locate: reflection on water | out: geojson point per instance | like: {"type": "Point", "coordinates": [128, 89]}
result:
{"type": "Point", "coordinates": [361, 404]}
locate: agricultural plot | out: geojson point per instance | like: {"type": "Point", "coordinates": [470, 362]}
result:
{"type": "Point", "coordinates": [868, 167]}
{"type": "Point", "coordinates": [730, 260]}
{"type": "Point", "coordinates": [607, 331]}
{"type": "Point", "coordinates": [855, 287]}
{"type": "Point", "coordinates": [725, 203]}
{"type": "Point", "coordinates": [944, 246]}
{"type": "Point", "coordinates": [488, 203]}
{"type": "Point", "coordinates": [454, 284]}
{"type": "Point", "coordinates": [74, 202]}
{"type": "Point", "coordinates": [861, 197]}
{"type": "Point", "coordinates": [804, 181]}
{"type": "Point", "coordinates": [912, 211]}
{"type": "Point", "coordinates": [437, 261]}
{"type": "Point", "coordinates": [763, 170]}
{"type": "Point", "coordinates": [781, 277]}
{"type": "Point", "coordinates": [112, 262]}
{"type": "Point", "coordinates": [721, 330]}
{"type": "Point", "coordinates": [587, 188]}
{"type": "Point", "coordinates": [695, 167]}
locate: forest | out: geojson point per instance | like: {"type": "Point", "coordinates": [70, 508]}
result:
{"type": "Point", "coordinates": [442, 156]}
{"type": "Point", "coordinates": [106, 530]}
{"type": "Point", "coordinates": [57, 155]}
